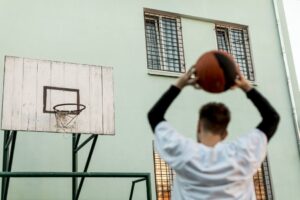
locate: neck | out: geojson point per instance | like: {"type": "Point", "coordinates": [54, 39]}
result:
{"type": "Point", "coordinates": [209, 139]}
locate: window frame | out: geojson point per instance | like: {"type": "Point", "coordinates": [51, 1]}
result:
{"type": "Point", "coordinates": [164, 68]}
{"type": "Point", "coordinates": [228, 29]}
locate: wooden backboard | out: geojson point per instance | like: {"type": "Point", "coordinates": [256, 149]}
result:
{"type": "Point", "coordinates": [30, 93]}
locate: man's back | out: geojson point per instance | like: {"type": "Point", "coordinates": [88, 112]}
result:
{"type": "Point", "coordinates": [225, 170]}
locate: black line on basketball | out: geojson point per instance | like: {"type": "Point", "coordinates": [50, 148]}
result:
{"type": "Point", "coordinates": [229, 68]}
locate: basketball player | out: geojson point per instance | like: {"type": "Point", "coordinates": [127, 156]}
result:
{"type": "Point", "coordinates": [211, 169]}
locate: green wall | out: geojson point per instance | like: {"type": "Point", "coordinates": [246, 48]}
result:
{"type": "Point", "coordinates": [111, 33]}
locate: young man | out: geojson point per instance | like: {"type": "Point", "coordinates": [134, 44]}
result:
{"type": "Point", "coordinates": [211, 169]}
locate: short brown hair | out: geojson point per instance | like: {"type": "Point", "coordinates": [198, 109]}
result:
{"type": "Point", "coordinates": [215, 117]}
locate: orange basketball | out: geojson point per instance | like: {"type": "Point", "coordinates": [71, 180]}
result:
{"type": "Point", "coordinates": [216, 71]}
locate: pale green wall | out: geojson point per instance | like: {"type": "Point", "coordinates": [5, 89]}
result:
{"type": "Point", "coordinates": [111, 33]}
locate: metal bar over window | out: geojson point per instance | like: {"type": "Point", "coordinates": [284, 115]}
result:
{"type": "Point", "coordinates": [164, 177]}
{"type": "Point", "coordinates": [235, 40]}
{"type": "Point", "coordinates": [164, 43]}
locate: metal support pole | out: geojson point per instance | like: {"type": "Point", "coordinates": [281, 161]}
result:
{"type": "Point", "coordinates": [74, 164]}
{"type": "Point", "coordinates": [86, 165]}
{"type": "Point", "coordinates": [75, 174]}
{"type": "Point", "coordinates": [77, 140]}
{"type": "Point", "coordinates": [133, 185]}
{"type": "Point", "coordinates": [4, 162]}
{"type": "Point", "coordinates": [11, 155]}
{"type": "Point", "coordinates": [84, 143]}
{"type": "Point", "coordinates": [8, 154]}
{"type": "Point", "coordinates": [148, 186]}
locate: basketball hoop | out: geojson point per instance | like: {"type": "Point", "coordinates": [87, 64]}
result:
{"type": "Point", "coordinates": [66, 115]}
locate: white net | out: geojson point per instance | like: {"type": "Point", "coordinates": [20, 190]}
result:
{"type": "Point", "coordinates": [66, 116]}
{"type": "Point", "coordinates": [65, 121]}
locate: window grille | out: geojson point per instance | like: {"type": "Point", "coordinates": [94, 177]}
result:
{"type": "Point", "coordinates": [164, 177]}
{"type": "Point", "coordinates": [164, 43]}
{"type": "Point", "coordinates": [262, 182]}
{"type": "Point", "coordinates": [235, 40]}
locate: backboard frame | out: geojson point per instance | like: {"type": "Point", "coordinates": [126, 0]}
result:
{"type": "Point", "coordinates": [45, 92]}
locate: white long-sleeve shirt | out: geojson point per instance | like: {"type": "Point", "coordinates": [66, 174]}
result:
{"type": "Point", "coordinates": [223, 172]}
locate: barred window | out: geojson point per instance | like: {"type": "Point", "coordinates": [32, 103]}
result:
{"type": "Point", "coordinates": [262, 182]}
{"type": "Point", "coordinates": [235, 40]}
{"type": "Point", "coordinates": [164, 177]}
{"type": "Point", "coordinates": [164, 43]}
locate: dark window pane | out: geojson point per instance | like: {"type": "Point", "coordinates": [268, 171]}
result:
{"type": "Point", "coordinates": [222, 40]}
{"type": "Point", "coordinates": [236, 42]}
{"type": "Point", "coordinates": [164, 43]}
{"type": "Point", "coordinates": [152, 45]}
{"type": "Point", "coordinates": [170, 44]}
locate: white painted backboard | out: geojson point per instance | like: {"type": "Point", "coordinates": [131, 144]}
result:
{"type": "Point", "coordinates": [25, 102]}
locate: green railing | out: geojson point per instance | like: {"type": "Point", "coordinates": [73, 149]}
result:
{"type": "Point", "coordinates": [142, 177]}
{"type": "Point", "coordinates": [9, 142]}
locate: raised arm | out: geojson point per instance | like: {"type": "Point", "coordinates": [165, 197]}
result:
{"type": "Point", "coordinates": [157, 112]}
{"type": "Point", "coordinates": [270, 117]}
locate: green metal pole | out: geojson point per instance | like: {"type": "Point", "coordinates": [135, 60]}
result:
{"type": "Point", "coordinates": [74, 165]}
{"type": "Point", "coordinates": [133, 185]}
{"type": "Point", "coordinates": [10, 161]}
{"type": "Point", "coordinates": [145, 176]}
{"type": "Point", "coordinates": [4, 162]}
{"type": "Point", "coordinates": [86, 166]}
{"type": "Point", "coordinates": [74, 174]}
{"type": "Point", "coordinates": [148, 185]}
{"type": "Point", "coordinates": [84, 143]}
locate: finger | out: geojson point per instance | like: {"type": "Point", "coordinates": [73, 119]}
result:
{"type": "Point", "coordinates": [239, 73]}
{"type": "Point", "coordinates": [238, 81]}
{"type": "Point", "coordinates": [241, 78]}
{"type": "Point", "coordinates": [192, 67]}
{"type": "Point", "coordinates": [192, 81]}
{"type": "Point", "coordinates": [238, 68]}
{"type": "Point", "coordinates": [191, 70]}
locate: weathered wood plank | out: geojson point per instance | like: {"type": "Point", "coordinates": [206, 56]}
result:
{"type": "Point", "coordinates": [56, 97]}
{"type": "Point", "coordinates": [71, 81]}
{"type": "Point", "coordinates": [28, 118]}
{"type": "Point", "coordinates": [8, 90]}
{"type": "Point", "coordinates": [83, 120]}
{"type": "Point", "coordinates": [108, 99]}
{"type": "Point", "coordinates": [17, 93]}
{"type": "Point", "coordinates": [43, 79]}
{"type": "Point", "coordinates": [96, 124]}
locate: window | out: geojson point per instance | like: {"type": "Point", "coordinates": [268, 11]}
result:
{"type": "Point", "coordinates": [235, 40]}
{"type": "Point", "coordinates": [164, 177]}
{"type": "Point", "coordinates": [164, 43]}
{"type": "Point", "coordinates": [262, 182]}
